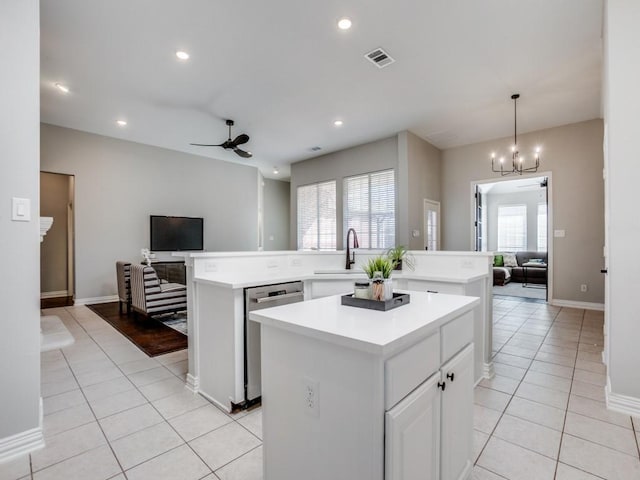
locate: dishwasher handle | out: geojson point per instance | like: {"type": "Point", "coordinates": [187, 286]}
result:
{"type": "Point", "coordinates": [278, 297]}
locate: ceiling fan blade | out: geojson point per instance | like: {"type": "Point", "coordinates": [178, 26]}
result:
{"type": "Point", "coordinates": [240, 139]}
{"type": "Point", "coordinates": [242, 153]}
{"type": "Point", "coordinates": [206, 145]}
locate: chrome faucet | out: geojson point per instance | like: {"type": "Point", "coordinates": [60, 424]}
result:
{"type": "Point", "coordinates": [351, 259]}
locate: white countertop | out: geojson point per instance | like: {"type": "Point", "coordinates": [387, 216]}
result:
{"type": "Point", "coordinates": [248, 279]}
{"type": "Point", "coordinates": [371, 331]}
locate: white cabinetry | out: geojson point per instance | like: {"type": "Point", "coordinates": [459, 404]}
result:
{"type": "Point", "coordinates": [393, 391]}
{"type": "Point", "coordinates": [431, 429]}
{"type": "Point", "coordinates": [412, 432]}
{"type": "Point", "coordinates": [456, 445]}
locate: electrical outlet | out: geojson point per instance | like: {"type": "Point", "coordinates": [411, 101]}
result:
{"type": "Point", "coordinates": [467, 263]}
{"type": "Point", "coordinates": [583, 288]}
{"type": "Point", "coordinates": [271, 264]}
{"type": "Point", "coordinates": [210, 267]}
{"type": "Point", "coordinates": [310, 396]}
{"type": "Point", "coordinates": [295, 262]}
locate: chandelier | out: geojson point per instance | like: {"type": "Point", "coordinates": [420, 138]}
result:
{"type": "Point", "coordinates": [518, 165]}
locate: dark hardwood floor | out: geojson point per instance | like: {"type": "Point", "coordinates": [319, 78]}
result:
{"type": "Point", "coordinates": [56, 302]}
{"type": "Point", "coordinates": [151, 336]}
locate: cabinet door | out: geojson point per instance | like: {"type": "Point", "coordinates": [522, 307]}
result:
{"type": "Point", "coordinates": [436, 287]}
{"type": "Point", "coordinates": [412, 435]}
{"type": "Point", "coordinates": [457, 416]}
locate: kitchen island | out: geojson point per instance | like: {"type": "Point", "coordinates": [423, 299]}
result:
{"type": "Point", "coordinates": [351, 393]}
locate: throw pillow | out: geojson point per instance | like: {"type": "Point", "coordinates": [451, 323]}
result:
{"type": "Point", "coordinates": [510, 260]}
{"type": "Point", "coordinates": [498, 261]}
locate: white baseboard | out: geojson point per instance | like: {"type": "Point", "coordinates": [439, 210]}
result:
{"type": "Point", "coordinates": [621, 403]}
{"type": "Point", "coordinates": [225, 408]}
{"type": "Point", "coordinates": [193, 383]}
{"type": "Point", "coordinates": [61, 293]}
{"type": "Point", "coordinates": [91, 300]}
{"type": "Point", "coordinates": [488, 371]}
{"type": "Point", "coordinates": [21, 443]}
{"type": "Point", "coordinates": [574, 304]}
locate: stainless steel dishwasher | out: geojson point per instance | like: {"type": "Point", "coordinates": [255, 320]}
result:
{"type": "Point", "coordinates": [257, 298]}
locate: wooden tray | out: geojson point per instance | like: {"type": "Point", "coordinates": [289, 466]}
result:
{"type": "Point", "coordinates": [398, 300]}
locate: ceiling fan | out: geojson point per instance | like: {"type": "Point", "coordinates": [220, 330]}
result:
{"type": "Point", "coordinates": [231, 144]}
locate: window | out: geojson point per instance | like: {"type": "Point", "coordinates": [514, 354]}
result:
{"type": "Point", "coordinates": [512, 228]}
{"type": "Point", "coordinates": [542, 227]}
{"type": "Point", "coordinates": [317, 216]}
{"type": "Point", "coordinates": [370, 208]}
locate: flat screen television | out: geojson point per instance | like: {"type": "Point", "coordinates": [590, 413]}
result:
{"type": "Point", "coordinates": [174, 234]}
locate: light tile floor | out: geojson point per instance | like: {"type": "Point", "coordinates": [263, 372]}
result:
{"type": "Point", "coordinates": [113, 413]}
{"type": "Point", "coordinates": [543, 415]}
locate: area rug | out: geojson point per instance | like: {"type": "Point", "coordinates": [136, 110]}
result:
{"type": "Point", "coordinates": [515, 289]}
{"type": "Point", "coordinates": [151, 336]}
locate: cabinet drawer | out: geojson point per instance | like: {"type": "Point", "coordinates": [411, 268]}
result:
{"type": "Point", "coordinates": [410, 368]}
{"type": "Point", "coordinates": [456, 334]}
{"type": "Point", "coordinates": [437, 287]}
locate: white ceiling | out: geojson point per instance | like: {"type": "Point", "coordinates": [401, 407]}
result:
{"type": "Point", "coordinates": [518, 185]}
{"type": "Point", "coordinates": [284, 72]}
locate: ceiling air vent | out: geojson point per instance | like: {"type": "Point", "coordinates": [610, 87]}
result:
{"type": "Point", "coordinates": [379, 58]}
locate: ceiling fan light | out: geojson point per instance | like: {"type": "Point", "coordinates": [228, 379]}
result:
{"type": "Point", "coordinates": [182, 55]}
{"type": "Point", "coordinates": [122, 123]}
{"type": "Point", "coordinates": [276, 171]}
{"type": "Point", "coordinates": [338, 123]}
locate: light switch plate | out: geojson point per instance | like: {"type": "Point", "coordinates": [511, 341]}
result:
{"type": "Point", "coordinates": [559, 233]}
{"type": "Point", "coordinates": [20, 209]}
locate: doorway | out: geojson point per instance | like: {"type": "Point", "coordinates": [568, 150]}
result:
{"type": "Point", "coordinates": [512, 219]}
{"type": "Point", "coordinates": [57, 282]}
{"type": "Point", "coordinates": [431, 225]}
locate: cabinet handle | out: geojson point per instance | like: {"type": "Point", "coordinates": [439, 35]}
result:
{"type": "Point", "coordinates": [450, 376]}
{"type": "Point", "coordinates": [431, 291]}
{"type": "Point", "coordinates": [442, 385]}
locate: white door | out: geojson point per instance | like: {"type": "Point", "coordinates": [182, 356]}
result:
{"type": "Point", "coordinates": [431, 225]}
{"type": "Point", "coordinates": [412, 435]}
{"type": "Point", "coordinates": [456, 458]}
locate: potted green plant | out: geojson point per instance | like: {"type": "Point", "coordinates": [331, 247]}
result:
{"type": "Point", "coordinates": [379, 270]}
{"type": "Point", "coordinates": [400, 257]}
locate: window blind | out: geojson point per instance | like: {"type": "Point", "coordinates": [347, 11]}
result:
{"type": "Point", "coordinates": [512, 228]}
{"type": "Point", "coordinates": [317, 216]}
{"type": "Point", "coordinates": [369, 208]}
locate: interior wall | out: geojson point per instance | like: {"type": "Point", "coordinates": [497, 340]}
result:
{"type": "Point", "coordinates": [276, 214]}
{"type": "Point", "coordinates": [621, 106]}
{"type": "Point", "coordinates": [370, 157]}
{"type": "Point", "coordinates": [573, 153]}
{"type": "Point", "coordinates": [424, 171]}
{"type": "Point", "coordinates": [120, 183]}
{"type": "Point", "coordinates": [19, 163]}
{"type": "Point", "coordinates": [529, 198]}
{"type": "Point", "coordinates": [54, 202]}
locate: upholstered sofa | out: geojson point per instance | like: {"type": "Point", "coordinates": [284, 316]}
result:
{"type": "Point", "coordinates": [505, 274]}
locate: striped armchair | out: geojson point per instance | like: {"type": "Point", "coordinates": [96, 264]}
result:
{"type": "Point", "coordinates": [123, 275]}
{"type": "Point", "coordinates": [150, 297]}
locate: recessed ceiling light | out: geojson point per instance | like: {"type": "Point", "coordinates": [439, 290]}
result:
{"type": "Point", "coordinates": [276, 171]}
{"type": "Point", "coordinates": [62, 88]}
{"type": "Point", "coordinates": [182, 55]}
{"type": "Point", "coordinates": [344, 24]}
{"type": "Point", "coordinates": [122, 123]}
{"type": "Point", "coordinates": [338, 123]}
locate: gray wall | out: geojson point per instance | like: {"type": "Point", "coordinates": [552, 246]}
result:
{"type": "Point", "coordinates": [54, 199]}
{"type": "Point", "coordinates": [573, 154]}
{"type": "Point", "coordinates": [531, 199]}
{"type": "Point", "coordinates": [423, 182]}
{"type": "Point", "coordinates": [119, 184]}
{"type": "Point", "coordinates": [276, 214]}
{"type": "Point", "coordinates": [20, 241]}
{"type": "Point", "coordinates": [370, 157]}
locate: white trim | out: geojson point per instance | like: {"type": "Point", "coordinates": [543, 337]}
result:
{"type": "Point", "coordinates": [61, 293]}
{"type": "Point", "coordinates": [226, 408]}
{"type": "Point", "coordinates": [575, 304]}
{"type": "Point", "coordinates": [621, 403]}
{"type": "Point", "coordinates": [193, 383]}
{"type": "Point", "coordinates": [21, 443]}
{"type": "Point", "coordinates": [488, 371]}
{"type": "Point", "coordinates": [90, 300]}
